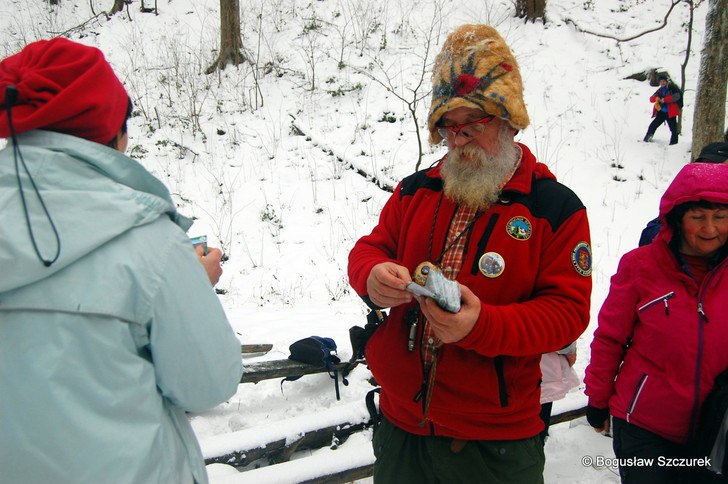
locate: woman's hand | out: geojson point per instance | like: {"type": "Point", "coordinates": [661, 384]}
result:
{"type": "Point", "coordinates": [210, 261]}
{"type": "Point", "coordinates": [598, 418]}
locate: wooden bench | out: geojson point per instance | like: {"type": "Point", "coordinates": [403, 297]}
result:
{"type": "Point", "coordinates": [279, 450]}
{"type": "Point", "coordinates": [243, 447]}
{"type": "Point", "coordinates": [314, 432]}
{"type": "Point", "coordinates": [266, 370]}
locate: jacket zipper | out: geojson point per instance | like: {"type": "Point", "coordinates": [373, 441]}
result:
{"type": "Point", "coordinates": [702, 320]}
{"type": "Point", "coordinates": [502, 393]}
{"type": "Point", "coordinates": [663, 298]}
{"type": "Point", "coordinates": [701, 313]}
{"type": "Point", "coordinates": [636, 396]}
{"type": "Point", "coordinates": [483, 242]}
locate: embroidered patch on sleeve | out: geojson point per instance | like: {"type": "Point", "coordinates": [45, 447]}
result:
{"type": "Point", "coordinates": [581, 258]}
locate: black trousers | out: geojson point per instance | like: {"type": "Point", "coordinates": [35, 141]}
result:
{"type": "Point", "coordinates": [635, 447]}
{"type": "Point", "coordinates": [546, 417]}
{"type": "Point", "coordinates": [660, 118]}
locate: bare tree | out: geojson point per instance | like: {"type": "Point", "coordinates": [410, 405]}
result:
{"type": "Point", "coordinates": [231, 44]}
{"type": "Point", "coordinates": [709, 118]}
{"type": "Point", "coordinates": [684, 65]}
{"type": "Point", "coordinates": [146, 9]}
{"type": "Point", "coordinates": [531, 10]}
{"type": "Point", "coordinates": [413, 91]}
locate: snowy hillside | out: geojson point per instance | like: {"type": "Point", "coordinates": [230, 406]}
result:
{"type": "Point", "coordinates": [282, 160]}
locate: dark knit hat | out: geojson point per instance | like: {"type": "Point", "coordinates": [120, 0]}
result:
{"type": "Point", "coordinates": [476, 69]}
{"type": "Point", "coordinates": [63, 86]}
{"type": "Point", "coordinates": [714, 152]}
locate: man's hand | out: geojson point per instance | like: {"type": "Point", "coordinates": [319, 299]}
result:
{"type": "Point", "coordinates": [387, 283]}
{"type": "Point", "coordinates": [452, 327]}
{"type": "Point", "coordinates": [211, 262]}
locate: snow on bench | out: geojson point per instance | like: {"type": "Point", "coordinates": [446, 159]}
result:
{"type": "Point", "coordinates": [266, 370]}
{"type": "Point", "coordinates": [278, 440]}
{"type": "Point", "coordinates": [345, 464]}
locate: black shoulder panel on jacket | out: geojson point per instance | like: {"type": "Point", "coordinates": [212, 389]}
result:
{"type": "Point", "coordinates": [419, 180]}
{"type": "Point", "coordinates": [550, 200]}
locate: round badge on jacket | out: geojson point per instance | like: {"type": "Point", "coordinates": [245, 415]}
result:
{"type": "Point", "coordinates": [519, 228]}
{"type": "Point", "coordinates": [491, 264]}
{"type": "Point", "coordinates": [581, 258]}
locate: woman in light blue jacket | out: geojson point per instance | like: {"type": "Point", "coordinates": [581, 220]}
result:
{"type": "Point", "coordinates": [109, 327]}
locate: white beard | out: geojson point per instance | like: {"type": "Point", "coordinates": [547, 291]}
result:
{"type": "Point", "coordinates": [474, 178]}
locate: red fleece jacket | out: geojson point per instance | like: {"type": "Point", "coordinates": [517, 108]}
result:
{"type": "Point", "coordinates": [487, 384]}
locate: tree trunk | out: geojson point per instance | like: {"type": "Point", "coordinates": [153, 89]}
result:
{"type": "Point", "coordinates": [709, 118]}
{"type": "Point", "coordinates": [231, 45]}
{"type": "Point", "coordinates": [684, 65]}
{"type": "Point", "coordinates": [118, 7]}
{"type": "Point", "coordinates": [531, 10]}
{"type": "Point", "coordinates": [145, 9]}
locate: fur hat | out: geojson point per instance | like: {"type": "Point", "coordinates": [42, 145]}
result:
{"type": "Point", "coordinates": [63, 86]}
{"type": "Point", "coordinates": [476, 69]}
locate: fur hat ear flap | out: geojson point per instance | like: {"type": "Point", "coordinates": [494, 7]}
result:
{"type": "Point", "coordinates": [476, 69]}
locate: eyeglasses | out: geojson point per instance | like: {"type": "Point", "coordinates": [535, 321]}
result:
{"type": "Point", "coordinates": [466, 130]}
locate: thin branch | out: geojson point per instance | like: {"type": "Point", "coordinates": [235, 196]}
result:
{"type": "Point", "coordinates": [684, 65]}
{"type": "Point", "coordinates": [78, 27]}
{"type": "Point", "coordinates": [627, 39]}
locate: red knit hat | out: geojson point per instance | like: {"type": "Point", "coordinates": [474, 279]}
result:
{"type": "Point", "coordinates": [63, 86]}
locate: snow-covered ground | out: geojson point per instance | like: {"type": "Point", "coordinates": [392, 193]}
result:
{"type": "Point", "coordinates": [286, 205]}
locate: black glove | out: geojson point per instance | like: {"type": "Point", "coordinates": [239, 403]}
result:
{"type": "Point", "coordinates": [596, 416]}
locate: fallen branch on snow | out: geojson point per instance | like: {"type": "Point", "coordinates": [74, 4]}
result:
{"type": "Point", "coordinates": [386, 184]}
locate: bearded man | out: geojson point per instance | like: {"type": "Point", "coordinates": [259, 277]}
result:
{"type": "Point", "coordinates": [460, 390]}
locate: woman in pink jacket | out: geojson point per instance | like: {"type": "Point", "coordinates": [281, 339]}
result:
{"type": "Point", "coordinates": [663, 332]}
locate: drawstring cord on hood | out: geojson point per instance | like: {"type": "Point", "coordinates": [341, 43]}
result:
{"type": "Point", "coordinates": [11, 96]}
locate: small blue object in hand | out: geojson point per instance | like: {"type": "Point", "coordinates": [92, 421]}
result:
{"type": "Point", "coordinates": [201, 240]}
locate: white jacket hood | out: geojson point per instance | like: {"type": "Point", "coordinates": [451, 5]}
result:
{"type": "Point", "coordinates": [117, 192]}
